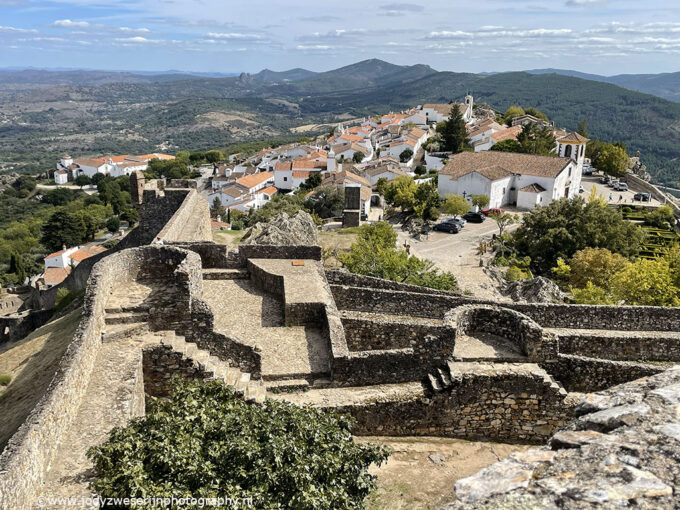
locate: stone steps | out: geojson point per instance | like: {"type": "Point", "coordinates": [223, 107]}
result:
{"type": "Point", "coordinates": [287, 385]}
{"type": "Point", "coordinates": [226, 274]}
{"type": "Point", "coordinates": [126, 318]}
{"type": "Point", "coordinates": [453, 373]}
{"type": "Point", "coordinates": [141, 308]}
{"type": "Point", "coordinates": [113, 332]}
{"type": "Point", "coordinates": [251, 390]}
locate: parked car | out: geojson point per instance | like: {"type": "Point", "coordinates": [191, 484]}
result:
{"type": "Point", "coordinates": [492, 210]}
{"type": "Point", "coordinates": [458, 221]}
{"type": "Point", "coordinates": [621, 186]}
{"type": "Point", "coordinates": [475, 217]}
{"type": "Point", "coordinates": [642, 197]}
{"type": "Point", "coordinates": [603, 179]}
{"type": "Point", "coordinates": [613, 184]}
{"type": "Point", "coordinates": [445, 226]}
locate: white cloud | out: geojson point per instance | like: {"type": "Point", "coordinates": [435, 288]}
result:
{"type": "Point", "coordinates": [235, 36]}
{"type": "Point", "coordinates": [136, 40]}
{"type": "Point", "coordinates": [17, 30]}
{"type": "Point", "coordinates": [314, 47]}
{"type": "Point", "coordinates": [585, 3]}
{"type": "Point", "coordinates": [67, 23]}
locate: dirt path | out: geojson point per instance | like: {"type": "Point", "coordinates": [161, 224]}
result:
{"type": "Point", "coordinates": [421, 471]}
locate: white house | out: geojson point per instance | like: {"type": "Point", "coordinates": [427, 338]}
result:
{"type": "Point", "coordinates": [438, 112]}
{"type": "Point", "coordinates": [61, 176]}
{"type": "Point", "coordinates": [524, 180]}
{"type": "Point", "coordinates": [60, 258]}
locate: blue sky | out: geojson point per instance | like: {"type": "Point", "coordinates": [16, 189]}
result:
{"type": "Point", "coordinates": [598, 36]}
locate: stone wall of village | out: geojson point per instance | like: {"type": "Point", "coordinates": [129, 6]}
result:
{"type": "Point", "coordinates": [622, 345]}
{"type": "Point", "coordinates": [28, 454]}
{"type": "Point", "coordinates": [511, 404]}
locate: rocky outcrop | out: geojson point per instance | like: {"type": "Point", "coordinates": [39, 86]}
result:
{"type": "Point", "coordinates": [534, 290]}
{"type": "Point", "coordinates": [621, 451]}
{"type": "Point", "coordinates": [283, 230]}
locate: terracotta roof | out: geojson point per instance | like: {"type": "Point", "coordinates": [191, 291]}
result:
{"type": "Point", "coordinates": [351, 138]}
{"type": "Point", "coordinates": [360, 148]}
{"type": "Point", "coordinates": [382, 169]}
{"type": "Point", "coordinates": [573, 138]}
{"type": "Point", "coordinates": [301, 174]}
{"type": "Point", "coordinates": [338, 177]}
{"type": "Point", "coordinates": [306, 164]}
{"type": "Point", "coordinates": [96, 163]}
{"type": "Point", "coordinates": [56, 253]}
{"type": "Point", "coordinates": [61, 172]}
{"type": "Point", "coordinates": [506, 134]}
{"type": "Point", "coordinates": [533, 188]}
{"type": "Point", "coordinates": [215, 225]}
{"type": "Point", "coordinates": [283, 165]}
{"type": "Point", "coordinates": [234, 191]}
{"type": "Point", "coordinates": [417, 132]}
{"type": "Point", "coordinates": [56, 275]}
{"type": "Point", "coordinates": [483, 129]}
{"type": "Point", "coordinates": [500, 164]}
{"type": "Point", "coordinates": [250, 181]}
{"type": "Point", "coordinates": [402, 142]}
{"type": "Point", "coordinates": [270, 190]}
{"type": "Point", "coordinates": [86, 252]}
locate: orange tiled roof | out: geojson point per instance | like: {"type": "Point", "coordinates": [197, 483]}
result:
{"type": "Point", "coordinates": [250, 181]}
{"type": "Point", "coordinates": [301, 174]}
{"type": "Point", "coordinates": [270, 190]}
{"type": "Point", "coordinates": [56, 275]}
{"type": "Point", "coordinates": [86, 252]}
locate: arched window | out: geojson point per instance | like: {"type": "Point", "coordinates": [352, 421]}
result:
{"type": "Point", "coordinates": [583, 148]}
{"type": "Point", "coordinates": [567, 151]}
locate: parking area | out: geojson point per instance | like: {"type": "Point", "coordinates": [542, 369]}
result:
{"type": "Point", "coordinates": [609, 194]}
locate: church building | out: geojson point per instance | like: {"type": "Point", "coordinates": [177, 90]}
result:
{"type": "Point", "coordinates": [522, 180]}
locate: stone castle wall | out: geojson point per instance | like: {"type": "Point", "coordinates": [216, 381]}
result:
{"type": "Point", "coordinates": [28, 454]}
{"type": "Point", "coordinates": [622, 346]}
{"type": "Point", "coordinates": [632, 318]}
{"type": "Point", "coordinates": [190, 222]}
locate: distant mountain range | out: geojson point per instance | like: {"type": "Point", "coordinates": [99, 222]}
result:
{"type": "Point", "coordinates": [43, 112]}
{"type": "Point", "coordinates": [666, 85]}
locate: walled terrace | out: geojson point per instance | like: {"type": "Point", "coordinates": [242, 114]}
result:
{"type": "Point", "coordinates": [268, 321]}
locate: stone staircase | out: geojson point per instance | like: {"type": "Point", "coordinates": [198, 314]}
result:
{"type": "Point", "coordinates": [251, 390]}
{"type": "Point", "coordinates": [125, 322]}
{"type": "Point", "coordinates": [451, 375]}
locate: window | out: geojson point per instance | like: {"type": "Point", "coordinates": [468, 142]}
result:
{"type": "Point", "coordinates": [567, 151]}
{"type": "Point", "coordinates": [570, 171]}
{"type": "Point", "coordinates": [285, 179]}
{"type": "Point", "coordinates": [504, 190]}
{"type": "Point", "coordinates": [583, 149]}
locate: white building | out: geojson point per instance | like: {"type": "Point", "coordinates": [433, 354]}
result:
{"type": "Point", "coordinates": [61, 176]}
{"type": "Point", "coordinates": [438, 112]}
{"type": "Point", "coordinates": [524, 180]}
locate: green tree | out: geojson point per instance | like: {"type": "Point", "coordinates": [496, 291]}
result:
{"type": "Point", "coordinates": [480, 201]}
{"type": "Point", "coordinates": [59, 196]}
{"type": "Point", "coordinates": [25, 183]}
{"type": "Point", "coordinates": [503, 221]}
{"type": "Point", "coordinates": [218, 210]}
{"type": "Point", "coordinates": [63, 229]}
{"type": "Point", "coordinates": [536, 113]}
{"type": "Point", "coordinates": [595, 265]}
{"type": "Point", "coordinates": [453, 132]}
{"type": "Point", "coordinates": [565, 226]}
{"type": "Point", "coordinates": [661, 217]}
{"type": "Point", "coordinates": [17, 266]}
{"type": "Point", "coordinates": [113, 224]}
{"type": "Point", "coordinates": [326, 201]}
{"type": "Point", "coordinates": [456, 205]}
{"type": "Point", "coordinates": [401, 193]}
{"type": "Point", "coordinates": [509, 145]}
{"type": "Point", "coordinates": [591, 294]}
{"type": "Point", "coordinates": [536, 139]}
{"type": "Point", "coordinates": [358, 157]}
{"type": "Point", "coordinates": [312, 182]}
{"type": "Point", "coordinates": [420, 170]}
{"type": "Point", "coordinates": [511, 113]}
{"type": "Point", "coordinates": [646, 282]}
{"type": "Point", "coordinates": [214, 156]}
{"type": "Point", "coordinates": [375, 254]}
{"type": "Point", "coordinates": [381, 185]}
{"type": "Point", "coordinates": [406, 155]}
{"type": "Point", "coordinates": [83, 180]}
{"type": "Point", "coordinates": [170, 169]}
{"type": "Point", "coordinates": [427, 201]}
{"type": "Point", "coordinates": [206, 442]}
{"type": "Point", "coordinates": [130, 215]}
{"type": "Point", "coordinates": [613, 160]}
{"type": "Point", "coordinates": [196, 158]}
{"type": "Point", "coordinates": [583, 128]}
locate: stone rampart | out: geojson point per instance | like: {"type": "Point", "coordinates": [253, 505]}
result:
{"type": "Point", "coordinates": [631, 318]}
{"type": "Point", "coordinates": [621, 345]}
{"type": "Point", "coordinates": [339, 277]}
{"type": "Point", "coordinates": [528, 336]}
{"type": "Point", "coordinates": [16, 326]}
{"type": "Point", "coordinates": [257, 251]}
{"type": "Point", "coordinates": [583, 374]}
{"type": "Point", "coordinates": [368, 332]}
{"type": "Point", "coordinates": [190, 222]}
{"type": "Point", "coordinates": [28, 454]}
{"type": "Point", "coordinates": [509, 403]}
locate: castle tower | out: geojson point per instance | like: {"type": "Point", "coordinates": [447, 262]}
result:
{"type": "Point", "coordinates": [573, 146]}
{"type": "Point", "coordinates": [469, 103]}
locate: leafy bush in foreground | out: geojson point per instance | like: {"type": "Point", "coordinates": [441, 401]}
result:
{"type": "Point", "coordinates": [204, 442]}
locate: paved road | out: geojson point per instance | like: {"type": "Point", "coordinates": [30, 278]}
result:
{"type": "Point", "coordinates": [588, 182]}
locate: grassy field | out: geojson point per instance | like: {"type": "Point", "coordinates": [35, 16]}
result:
{"type": "Point", "coordinates": [31, 364]}
{"type": "Point", "coordinates": [228, 237]}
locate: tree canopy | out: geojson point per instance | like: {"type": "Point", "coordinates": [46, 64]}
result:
{"type": "Point", "coordinates": [456, 205]}
{"type": "Point", "coordinates": [453, 132]}
{"type": "Point", "coordinates": [205, 442]}
{"type": "Point", "coordinates": [565, 226]}
{"type": "Point", "coordinates": [375, 254]}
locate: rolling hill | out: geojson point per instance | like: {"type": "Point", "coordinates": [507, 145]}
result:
{"type": "Point", "coordinates": [198, 113]}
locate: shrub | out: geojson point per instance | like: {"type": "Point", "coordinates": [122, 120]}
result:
{"type": "Point", "coordinates": [205, 442]}
{"type": "Point", "coordinates": [515, 273]}
{"type": "Point", "coordinates": [5, 379]}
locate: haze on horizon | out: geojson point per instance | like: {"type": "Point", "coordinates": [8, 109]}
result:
{"type": "Point", "coordinates": [596, 36]}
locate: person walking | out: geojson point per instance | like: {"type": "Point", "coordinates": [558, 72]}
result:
{"type": "Point", "coordinates": [611, 197]}
{"type": "Point", "coordinates": [620, 198]}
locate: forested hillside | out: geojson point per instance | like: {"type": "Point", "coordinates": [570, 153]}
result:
{"type": "Point", "coordinates": [39, 122]}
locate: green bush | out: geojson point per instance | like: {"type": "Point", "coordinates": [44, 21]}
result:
{"type": "Point", "coordinates": [205, 442]}
{"type": "Point", "coordinates": [5, 379]}
{"type": "Point", "coordinates": [65, 297]}
{"type": "Point", "coordinates": [515, 273]}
